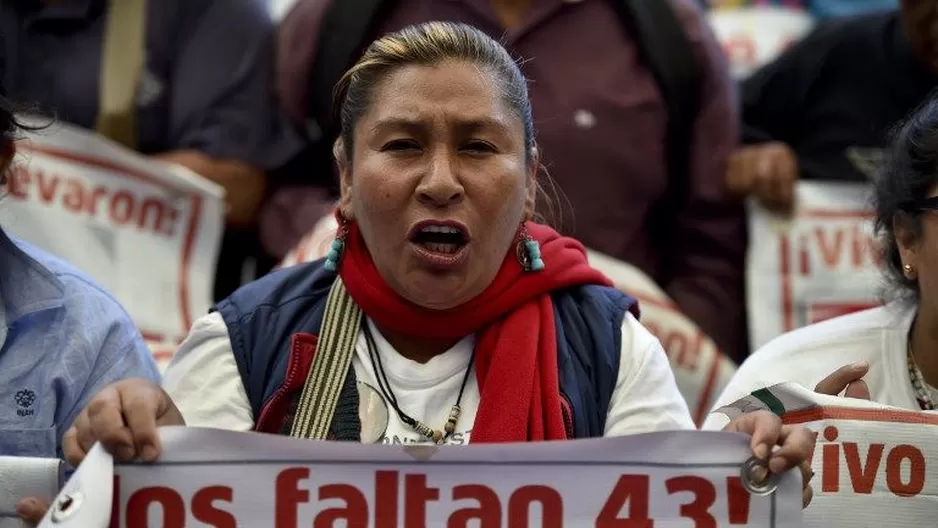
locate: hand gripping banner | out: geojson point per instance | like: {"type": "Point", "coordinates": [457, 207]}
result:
{"type": "Point", "coordinates": [874, 465]}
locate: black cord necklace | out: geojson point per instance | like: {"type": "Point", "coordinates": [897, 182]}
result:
{"type": "Point", "coordinates": [385, 386]}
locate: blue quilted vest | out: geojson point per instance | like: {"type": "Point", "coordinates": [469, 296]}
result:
{"type": "Point", "coordinates": [274, 323]}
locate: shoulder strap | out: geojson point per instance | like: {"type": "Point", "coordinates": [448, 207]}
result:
{"type": "Point", "coordinates": [122, 62]}
{"type": "Point", "coordinates": [344, 29]}
{"type": "Point", "coordinates": [666, 51]}
{"type": "Point", "coordinates": [317, 404]}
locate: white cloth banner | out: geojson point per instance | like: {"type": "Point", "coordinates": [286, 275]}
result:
{"type": "Point", "coordinates": [819, 263]}
{"type": "Point", "coordinates": [148, 232]}
{"type": "Point", "coordinates": [221, 478]}
{"type": "Point", "coordinates": [874, 465]}
{"type": "Point", "coordinates": [22, 477]}
{"type": "Point", "coordinates": [701, 370]}
{"type": "Point", "coordinates": [753, 36]}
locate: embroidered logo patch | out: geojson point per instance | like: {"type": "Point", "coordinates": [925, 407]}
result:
{"type": "Point", "coordinates": [25, 399]}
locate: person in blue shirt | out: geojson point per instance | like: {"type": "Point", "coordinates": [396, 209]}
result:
{"type": "Point", "coordinates": [62, 338]}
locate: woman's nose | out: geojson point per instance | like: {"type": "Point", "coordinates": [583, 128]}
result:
{"type": "Point", "coordinates": [440, 186]}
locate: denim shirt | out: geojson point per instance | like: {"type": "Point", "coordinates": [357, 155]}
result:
{"type": "Point", "coordinates": [63, 339]}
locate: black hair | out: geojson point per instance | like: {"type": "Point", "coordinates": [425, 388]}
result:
{"type": "Point", "coordinates": [907, 177]}
{"type": "Point", "coordinates": [11, 128]}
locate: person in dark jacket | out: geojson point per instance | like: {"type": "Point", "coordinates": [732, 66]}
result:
{"type": "Point", "coordinates": [823, 110]}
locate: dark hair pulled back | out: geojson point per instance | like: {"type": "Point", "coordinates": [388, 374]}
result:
{"type": "Point", "coordinates": [909, 175]}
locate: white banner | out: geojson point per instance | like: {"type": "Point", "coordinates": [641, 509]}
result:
{"type": "Point", "coordinates": [225, 479]}
{"type": "Point", "coordinates": [819, 263]}
{"type": "Point", "coordinates": [753, 36]}
{"type": "Point", "coordinates": [702, 371]}
{"type": "Point", "coordinates": [874, 465]}
{"type": "Point", "coordinates": [148, 232]}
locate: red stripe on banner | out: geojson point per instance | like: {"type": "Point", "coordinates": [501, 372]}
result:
{"type": "Point", "coordinates": [162, 355]}
{"type": "Point", "coordinates": [805, 258]}
{"type": "Point", "coordinates": [866, 415]}
{"type": "Point", "coordinates": [152, 336]}
{"type": "Point", "coordinates": [785, 268]}
{"type": "Point", "coordinates": [821, 311]}
{"type": "Point", "coordinates": [834, 214]}
{"type": "Point", "coordinates": [187, 248]}
{"type": "Point", "coordinates": [100, 163]}
{"type": "Point", "coordinates": [160, 349]}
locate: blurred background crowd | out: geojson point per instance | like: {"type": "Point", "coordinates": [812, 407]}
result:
{"type": "Point", "coordinates": [659, 123]}
{"type": "Point", "coordinates": [716, 158]}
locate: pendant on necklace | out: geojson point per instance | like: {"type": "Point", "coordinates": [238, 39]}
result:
{"type": "Point", "coordinates": [372, 413]}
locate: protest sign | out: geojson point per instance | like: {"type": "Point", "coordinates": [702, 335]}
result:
{"type": "Point", "coordinates": [874, 465]}
{"type": "Point", "coordinates": [752, 36]}
{"type": "Point", "coordinates": [218, 478]}
{"type": "Point", "coordinates": [700, 368]}
{"type": "Point", "coordinates": [148, 232]}
{"type": "Point", "coordinates": [819, 263]}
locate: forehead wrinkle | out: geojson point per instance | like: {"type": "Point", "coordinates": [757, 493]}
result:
{"type": "Point", "coordinates": [456, 104]}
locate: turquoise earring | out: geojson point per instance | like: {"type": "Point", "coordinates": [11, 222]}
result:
{"type": "Point", "coordinates": [336, 248]}
{"type": "Point", "coordinates": [529, 252]}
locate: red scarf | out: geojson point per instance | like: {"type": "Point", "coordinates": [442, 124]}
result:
{"type": "Point", "coordinates": [513, 319]}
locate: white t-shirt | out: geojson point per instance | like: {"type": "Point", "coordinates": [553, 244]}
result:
{"type": "Point", "coordinates": [204, 382]}
{"type": "Point", "coordinates": [808, 355]}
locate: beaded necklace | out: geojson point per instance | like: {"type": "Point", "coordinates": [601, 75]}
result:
{"type": "Point", "coordinates": [923, 394]}
{"type": "Point", "coordinates": [436, 435]}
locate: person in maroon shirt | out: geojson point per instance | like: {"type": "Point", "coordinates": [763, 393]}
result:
{"type": "Point", "coordinates": [601, 125]}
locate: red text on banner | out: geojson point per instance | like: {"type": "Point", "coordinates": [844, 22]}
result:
{"type": "Point", "coordinates": [117, 207]}
{"type": "Point", "coordinates": [402, 500]}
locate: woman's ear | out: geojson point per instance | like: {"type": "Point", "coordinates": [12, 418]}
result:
{"type": "Point", "coordinates": [339, 152]}
{"type": "Point", "coordinates": [906, 239]}
{"type": "Point", "coordinates": [531, 185]}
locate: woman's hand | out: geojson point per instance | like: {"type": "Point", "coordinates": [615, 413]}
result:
{"type": "Point", "coordinates": [768, 171]}
{"type": "Point", "coordinates": [123, 417]}
{"type": "Point", "coordinates": [795, 445]}
{"type": "Point", "coordinates": [32, 510]}
{"type": "Point", "coordinates": [846, 379]}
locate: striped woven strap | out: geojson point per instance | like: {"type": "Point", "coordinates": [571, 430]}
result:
{"type": "Point", "coordinates": [334, 352]}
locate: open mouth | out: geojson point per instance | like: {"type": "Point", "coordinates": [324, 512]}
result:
{"type": "Point", "coordinates": [444, 239]}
